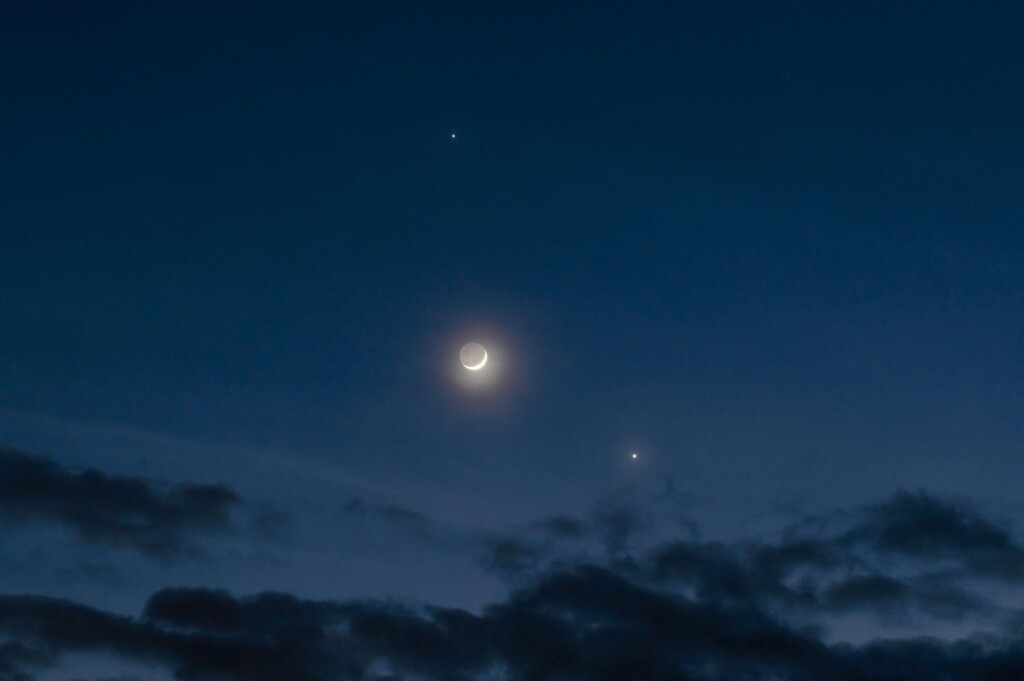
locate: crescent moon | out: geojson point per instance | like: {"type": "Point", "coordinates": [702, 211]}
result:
{"type": "Point", "coordinates": [478, 367]}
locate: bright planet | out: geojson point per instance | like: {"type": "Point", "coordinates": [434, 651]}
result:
{"type": "Point", "coordinates": [473, 356]}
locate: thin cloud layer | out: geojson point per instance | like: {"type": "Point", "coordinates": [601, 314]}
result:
{"type": "Point", "coordinates": [686, 610]}
{"type": "Point", "coordinates": [155, 519]}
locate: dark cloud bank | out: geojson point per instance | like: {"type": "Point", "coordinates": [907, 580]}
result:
{"type": "Point", "coordinates": [685, 610]}
{"type": "Point", "coordinates": [155, 519]}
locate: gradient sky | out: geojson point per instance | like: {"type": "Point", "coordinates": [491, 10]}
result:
{"type": "Point", "coordinates": [776, 248]}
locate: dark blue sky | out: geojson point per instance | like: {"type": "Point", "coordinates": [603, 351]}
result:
{"type": "Point", "coordinates": [775, 248]}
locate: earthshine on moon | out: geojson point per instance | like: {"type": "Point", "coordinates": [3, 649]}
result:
{"type": "Point", "coordinates": [473, 356]}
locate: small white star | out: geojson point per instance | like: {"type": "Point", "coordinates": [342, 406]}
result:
{"type": "Point", "coordinates": [453, 135]}
{"type": "Point", "coordinates": [634, 455]}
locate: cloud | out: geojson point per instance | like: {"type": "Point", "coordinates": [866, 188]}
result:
{"type": "Point", "coordinates": [905, 555]}
{"type": "Point", "coordinates": [583, 623]}
{"type": "Point", "coordinates": [16, 657]}
{"type": "Point", "coordinates": [933, 596]}
{"type": "Point", "coordinates": [560, 527]}
{"type": "Point", "coordinates": [686, 610]}
{"type": "Point", "coordinates": [513, 553]}
{"type": "Point", "coordinates": [153, 518]}
{"type": "Point", "coordinates": [921, 526]}
{"type": "Point", "coordinates": [98, 573]}
{"type": "Point", "coordinates": [911, 556]}
{"type": "Point", "coordinates": [511, 558]}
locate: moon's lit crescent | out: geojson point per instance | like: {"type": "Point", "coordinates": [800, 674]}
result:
{"type": "Point", "coordinates": [473, 356]}
{"type": "Point", "coordinates": [478, 367]}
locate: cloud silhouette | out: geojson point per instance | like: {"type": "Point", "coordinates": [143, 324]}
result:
{"type": "Point", "coordinates": [924, 527]}
{"type": "Point", "coordinates": [584, 623]}
{"type": "Point", "coordinates": [153, 518]}
{"type": "Point", "coordinates": [684, 610]}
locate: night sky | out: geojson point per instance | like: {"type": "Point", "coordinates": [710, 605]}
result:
{"type": "Point", "coordinates": [776, 250]}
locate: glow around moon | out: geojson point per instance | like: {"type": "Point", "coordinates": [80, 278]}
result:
{"type": "Point", "coordinates": [479, 360]}
{"type": "Point", "coordinates": [473, 356]}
